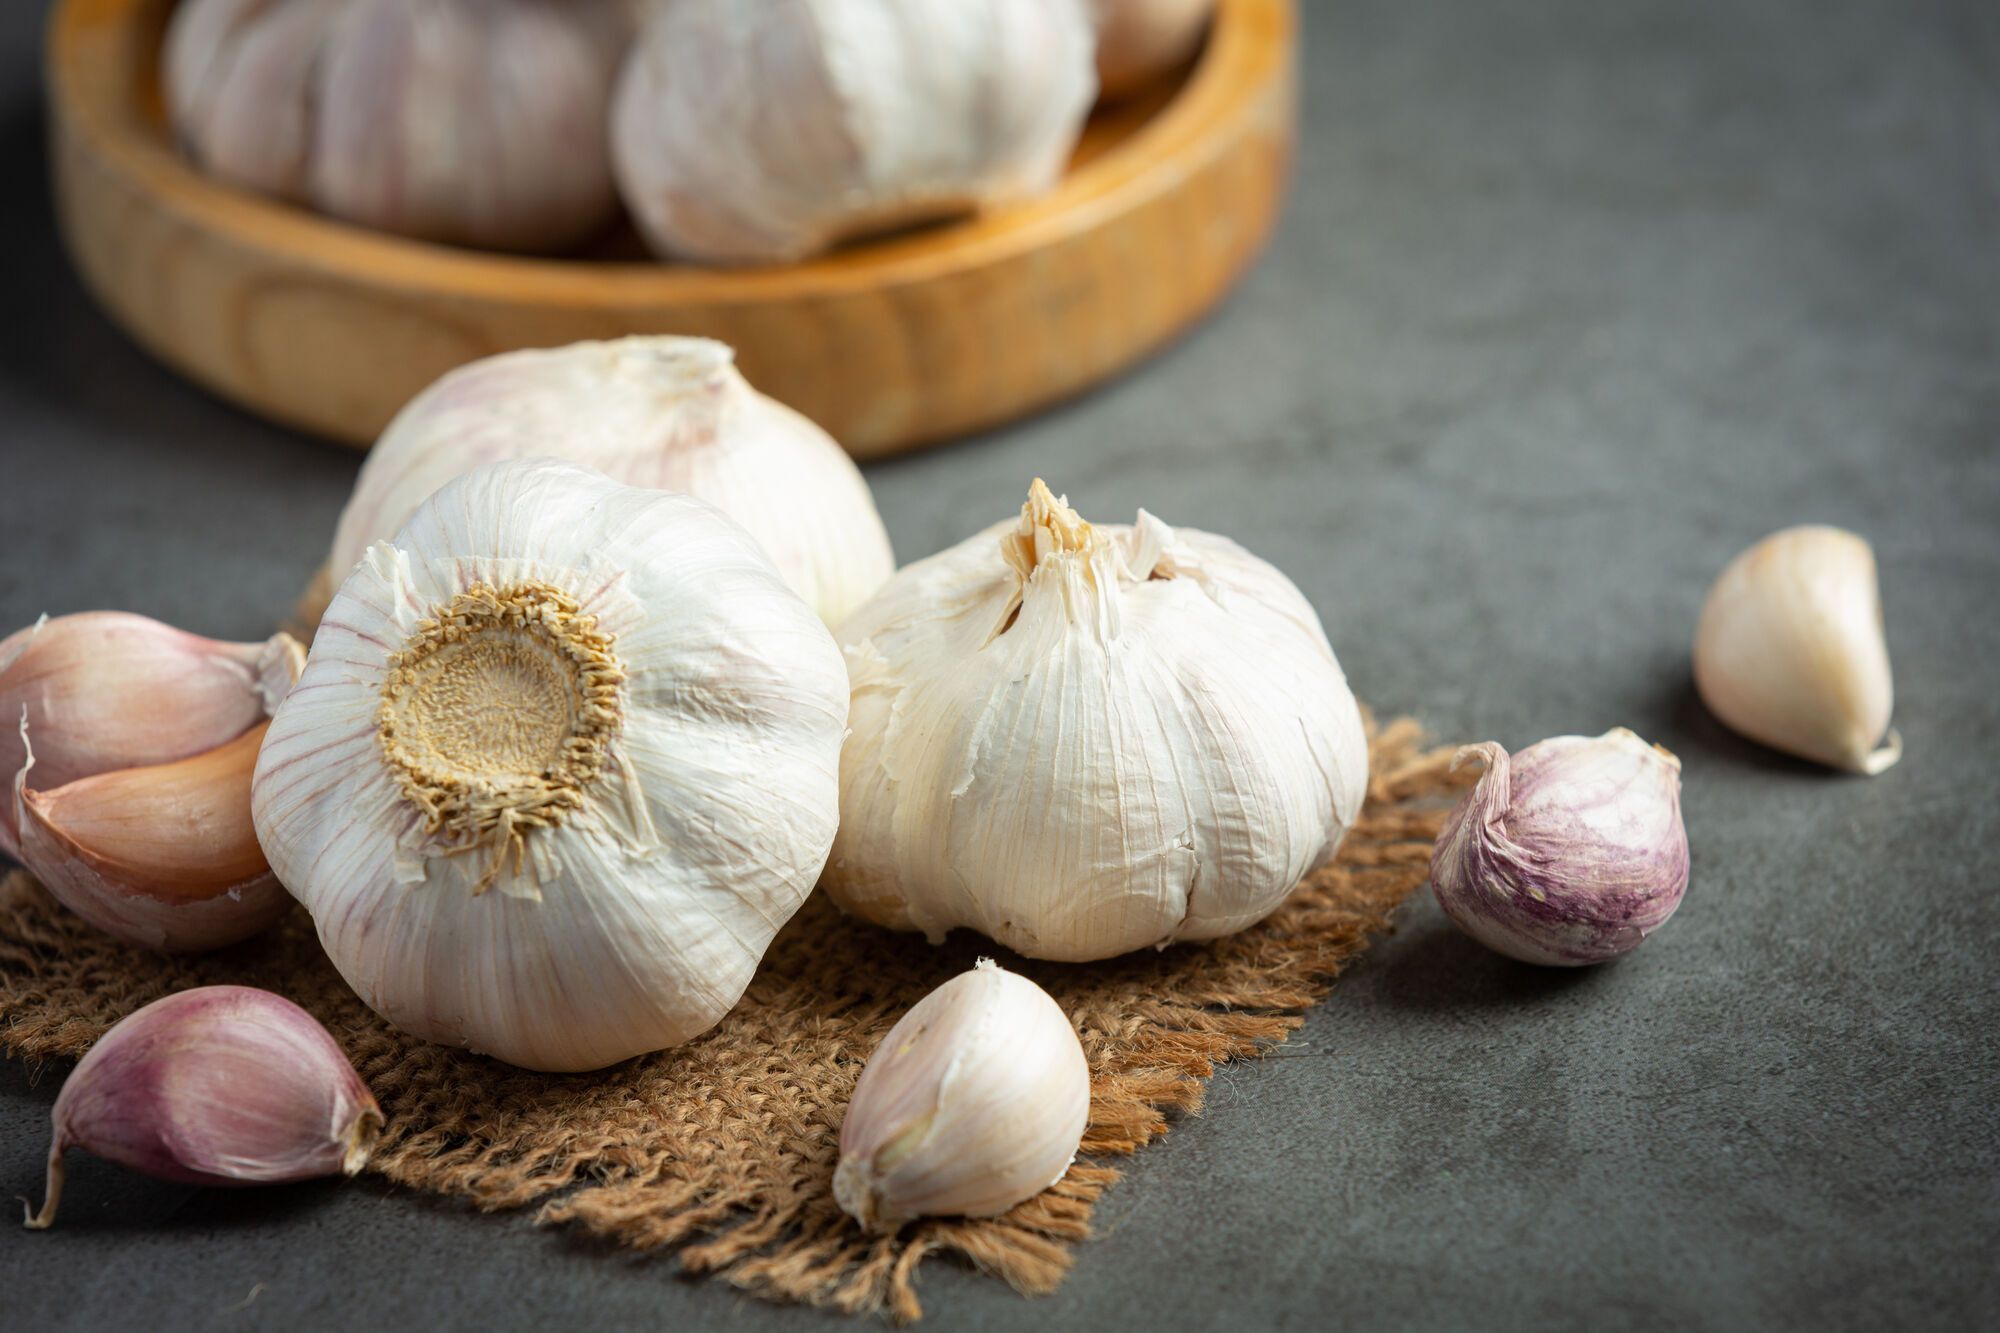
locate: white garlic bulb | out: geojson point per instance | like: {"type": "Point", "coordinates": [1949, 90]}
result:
{"type": "Point", "coordinates": [976, 1100]}
{"type": "Point", "coordinates": [563, 760]}
{"type": "Point", "coordinates": [1085, 740]}
{"type": "Point", "coordinates": [669, 414]}
{"type": "Point", "coordinates": [1790, 650]}
{"type": "Point", "coordinates": [474, 122]}
{"type": "Point", "coordinates": [1137, 39]}
{"type": "Point", "coordinates": [757, 132]}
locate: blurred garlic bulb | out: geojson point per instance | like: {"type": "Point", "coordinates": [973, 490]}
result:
{"type": "Point", "coordinates": [104, 690]}
{"type": "Point", "coordinates": [1790, 650]}
{"type": "Point", "coordinates": [1085, 740]}
{"type": "Point", "coordinates": [976, 1100]}
{"type": "Point", "coordinates": [564, 758]}
{"type": "Point", "coordinates": [218, 1085]}
{"type": "Point", "coordinates": [671, 414]}
{"type": "Point", "coordinates": [472, 122]}
{"type": "Point", "coordinates": [749, 133]}
{"type": "Point", "coordinates": [1137, 39]}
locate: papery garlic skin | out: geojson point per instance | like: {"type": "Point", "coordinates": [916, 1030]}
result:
{"type": "Point", "coordinates": [564, 758]}
{"type": "Point", "coordinates": [471, 122]}
{"type": "Point", "coordinates": [770, 132]}
{"type": "Point", "coordinates": [1138, 39]}
{"type": "Point", "coordinates": [1568, 853]}
{"type": "Point", "coordinates": [219, 1085]}
{"type": "Point", "coordinates": [976, 1100]}
{"type": "Point", "coordinates": [672, 414]}
{"type": "Point", "coordinates": [1790, 650]}
{"type": "Point", "coordinates": [1083, 740]}
{"type": "Point", "coordinates": [163, 857]}
{"type": "Point", "coordinates": [105, 690]}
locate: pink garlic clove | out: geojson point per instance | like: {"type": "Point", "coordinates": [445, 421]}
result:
{"type": "Point", "coordinates": [164, 857]}
{"type": "Point", "coordinates": [1567, 853]}
{"type": "Point", "coordinates": [220, 1085]}
{"type": "Point", "coordinates": [104, 690]}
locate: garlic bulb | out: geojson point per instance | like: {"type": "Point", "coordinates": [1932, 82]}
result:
{"type": "Point", "coordinates": [104, 690]}
{"type": "Point", "coordinates": [1790, 650]}
{"type": "Point", "coordinates": [219, 1085]}
{"type": "Point", "coordinates": [564, 758]}
{"type": "Point", "coordinates": [1085, 740]}
{"type": "Point", "coordinates": [163, 857]}
{"type": "Point", "coordinates": [1567, 853]}
{"type": "Point", "coordinates": [670, 414]}
{"type": "Point", "coordinates": [1137, 39]}
{"type": "Point", "coordinates": [976, 1100]}
{"type": "Point", "coordinates": [474, 122]}
{"type": "Point", "coordinates": [754, 133]}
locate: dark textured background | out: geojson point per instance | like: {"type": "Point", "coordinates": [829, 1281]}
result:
{"type": "Point", "coordinates": [1574, 300]}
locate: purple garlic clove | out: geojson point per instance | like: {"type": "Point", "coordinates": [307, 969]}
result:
{"type": "Point", "coordinates": [1568, 853]}
{"type": "Point", "coordinates": [220, 1085]}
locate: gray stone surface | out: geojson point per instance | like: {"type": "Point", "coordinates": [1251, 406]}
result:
{"type": "Point", "coordinates": [1573, 301]}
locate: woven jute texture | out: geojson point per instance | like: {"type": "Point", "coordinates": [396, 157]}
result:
{"type": "Point", "coordinates": [722, 1151]}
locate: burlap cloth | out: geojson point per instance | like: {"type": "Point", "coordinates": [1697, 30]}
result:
{"type": "Point", "coordinates": [723, 1150]}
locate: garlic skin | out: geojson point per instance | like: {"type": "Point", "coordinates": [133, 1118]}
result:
{"type": "Point", "coordinates": [671, 414]}
{"type": "Point", "coordinates": [564, 758]}
{"type": "Point", "coordinates": [771, 132]}
{"type": "Point", "coordinates": [1790, 650]}
{"type": "Point", "coordinates": [1138, 39]}
{"type": "Point", "coordinates": [1084, 740]}
{"type": "Point", "coordinates": [976, 1100]}
{"type": "Point", "coordinates": [1568, 853]}
{"type": "Point", "coordinates": [163, 857]}
{"type": "Point", "coordinates": [104, 690]}
{"type": "Point", "coordinates": [219, 1085]}
{"type": "Point", "coordinates": [470, 122]}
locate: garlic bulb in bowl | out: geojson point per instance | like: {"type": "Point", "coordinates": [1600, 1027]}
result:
{"type": "Point", "coordinates": [1084, 740]}
{"type": "Point", "coordinates": [1137, 39]}
{"type": "Point", "coordinates": [665, 413]}
{"type": "Point", "coordinates": [472, 122]}
{"type": "Point", "coordinates": [564, 758]}
{"type": "Point", "coordinates": [757, 133]}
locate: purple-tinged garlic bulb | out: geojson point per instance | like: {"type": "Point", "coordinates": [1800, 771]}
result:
{"type": "Point", "coordinates": [220, 1085]}
{"type": "Point", "coordinates": [1568, 853]}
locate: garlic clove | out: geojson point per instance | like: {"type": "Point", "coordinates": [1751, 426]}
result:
{"type": "Point", "coordinates": [219, 1085]}
{"type": "Point", "coordinates": [975, 1101]}
{"type": "Point", "coordinates": [1790, 650]}
{"type": "Point", "coordinates": [164, 856]}
{"type": "Point", "coordinates": [1568, 853]}
{"type": "Point", "coordinates": [104, 690]}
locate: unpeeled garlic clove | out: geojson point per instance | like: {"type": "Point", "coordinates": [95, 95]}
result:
{"type": "Point", "coordinates": [219, 1085]}
{"type": "Point", "coordinates": [164, 856]}
{"type": "Point", "coordinates": [1570, 852]}
{"type": "Point", "coordinates": [104, 690]}
{"type": "Point", "coordinates": [1790, 650]}
{"type": "Point", "coordinates": [976, 1100]}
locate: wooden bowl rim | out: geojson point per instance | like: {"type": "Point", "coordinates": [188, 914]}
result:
{"type": "Point", "coordinates": [1201, 113]}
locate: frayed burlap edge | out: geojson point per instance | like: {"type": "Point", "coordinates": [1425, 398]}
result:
{"type": "Point", "coordinates": [722, 1151]}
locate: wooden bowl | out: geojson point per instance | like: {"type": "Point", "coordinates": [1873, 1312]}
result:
{"type": "Point", "coordinates": [893, 343]}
